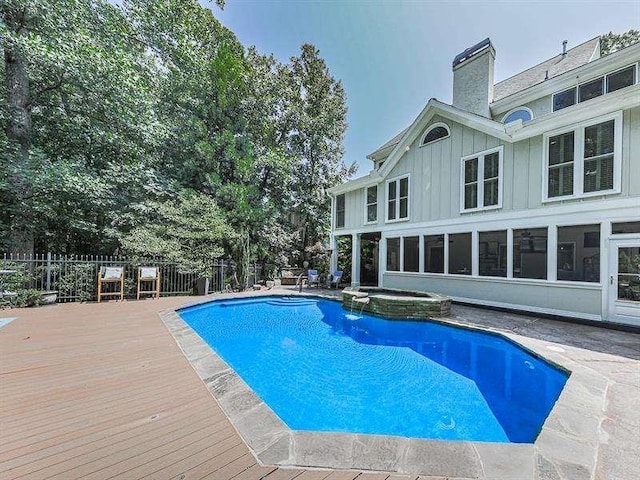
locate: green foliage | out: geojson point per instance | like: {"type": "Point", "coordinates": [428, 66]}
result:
{"type": "Point", "coordinates": [28, 298]}
{"type": "Point", "coordinates": [612, 42]}
{"type": "Point", "coordinates": [154, 132]}
{"type": "Point", "coordinates": [189, 230]}
{"type": "Point", "coordinates": [77, 279]}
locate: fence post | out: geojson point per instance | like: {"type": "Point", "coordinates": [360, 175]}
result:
{"type": "Point", "coordinates": [48, 271]}
{"type": "Point", "coordinates": [222, 286]}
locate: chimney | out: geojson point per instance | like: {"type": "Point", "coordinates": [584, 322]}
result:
{"type": "Point", "coordinates": [473, 78]}
{"type": "Point", "coordinates": [564, 48]}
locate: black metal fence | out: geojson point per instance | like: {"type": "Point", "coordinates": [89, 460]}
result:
{"type": "Point", "coordinates": [74, 277]}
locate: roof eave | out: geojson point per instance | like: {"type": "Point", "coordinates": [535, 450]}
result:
{"type": "Point", "coordinates": [567, 79]}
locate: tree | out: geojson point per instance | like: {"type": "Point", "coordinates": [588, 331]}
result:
{"type": "Point", "coordinates": [317, 142]}
{"type": "Point", "coordinates": [612, 42]}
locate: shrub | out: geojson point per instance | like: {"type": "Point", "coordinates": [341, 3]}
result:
{"type": "Point", "coordinates": [29, 298]}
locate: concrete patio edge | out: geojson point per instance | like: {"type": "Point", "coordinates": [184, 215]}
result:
{"type": "Point", "coordinates": [567, 444]}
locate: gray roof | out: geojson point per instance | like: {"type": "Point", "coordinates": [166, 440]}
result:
{"type": "Point", "coordinates": [576, 57]}
{"type": "Point", "coordinates": [394, 141]}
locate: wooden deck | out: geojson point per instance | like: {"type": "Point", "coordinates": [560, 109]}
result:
{"type": "Point", "coordinates": [101, 391]}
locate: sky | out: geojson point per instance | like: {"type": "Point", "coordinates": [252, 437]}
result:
{"type": "Point", "coordinates": [392, 56]}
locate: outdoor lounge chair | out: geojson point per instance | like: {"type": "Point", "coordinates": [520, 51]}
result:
{"type": "Point", "coordinates": [313, 278]}
{"type": "Point", "coordinates": [149, 276]}
{"type": "Point", "coordinates": [113, 275]}
{"type": "Point", "coordinates": [336, 278]}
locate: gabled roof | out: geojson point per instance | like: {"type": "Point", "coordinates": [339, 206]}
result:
{"type": "Point", "coordinates": [575, 57]}
{"type": "Point", "coordinates": [385, 147]}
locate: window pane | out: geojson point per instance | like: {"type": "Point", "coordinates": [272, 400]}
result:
{"type": "Point", "coordinates": [564, 99]}
{"type": "Point", "coordinates": [372, 195]}
{"type": "Point", "coordinates": [434, 253]}
{"type": "Point", "coordinates": [460, 253]}
{"type": "Point", "coordinates": [392, 190]}
{"type": "Point", "coordinates": [625, 227]}
{"type": "Point", "coordinates": [522, 114]}
{"type": "Point", "coordinates": [411, 254]}
{"type": "Point", "coordinates": [372, 213]}
{"type": "Point", "coordinates": [561, 148]}
{"type": "Point", "coordinates": [391, 210]}
{"type": "Point", "coordinates": [393, 254]}
{"type": "Point", "coordinates": [491, 192]}
{"type": "Point", "coordinates": [493, 253]}
{"type": "Point", "coordinates": [598, 139]}
{"type": "Point", "coordinates": [471, 170]}
{"type": "Point", "coordinates": [491, 165]}
{"type": "Point", "coordinates": [621, 79]}
{"type": "Point", "coordinates": [435, 134]}
{"type": "Point", "coordinates": [404, 208]}
{"type": "Point", "coordinates": [340, 211]}
{"type": "Point", "coordinates": [561, 180]}
{"type": "Point", "coordinates": [404, 187]}
{"type": "Point", "coordinates": [471, 196]}
{"type": "Point", "coordinates": [590, 90]}
{"type": "Point", "coordinates": [579, 253]}
{"type": "Point", "coordinates": [598, 174]}
{"type": "Point", "coordinates": [530, 253]}
{"type": "Point", "coordinates": [628, 278]}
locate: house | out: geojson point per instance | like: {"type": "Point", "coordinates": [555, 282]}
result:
{"type": "Point", "coordinates": [522, 194]}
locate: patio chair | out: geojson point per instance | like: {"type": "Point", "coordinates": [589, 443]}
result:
{"type": "Point", "coordinates": [336, 279]}
{"type": "Point", "coordinates": [112, 275]}
{"type": "Point", "coordinates": [313, 278]}
{"type": "Point", "coordinates": [149, 276]}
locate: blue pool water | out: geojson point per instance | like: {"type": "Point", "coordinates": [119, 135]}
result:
{"type": "Point", "coordinates": [320, 367]}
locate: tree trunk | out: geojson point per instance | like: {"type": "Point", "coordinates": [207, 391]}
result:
{"type": "Point", "coordinates": [18, 131]}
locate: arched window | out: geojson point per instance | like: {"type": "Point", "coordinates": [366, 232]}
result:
{"type": "Point", "coordinates": [521, 113]}
{"type": "Point", "coordinates": [436, 132]}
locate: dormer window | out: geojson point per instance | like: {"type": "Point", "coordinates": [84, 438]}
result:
{"type": "Point", "coordinates": [436, 132]}
{"type": "Point", "coordinates": [609, 83]}
{"type": "Point", "coordinates": [521, 113]}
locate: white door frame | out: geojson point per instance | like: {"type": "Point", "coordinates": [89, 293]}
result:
{"type": "Point", "coordinates": [620, 311]}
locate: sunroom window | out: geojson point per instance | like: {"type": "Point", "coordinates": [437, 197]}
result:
{"type": "Point", "coordinates": [398, 199]}
{"type": "Point", "coordinates": [584, 161]}
{"type": "Point", "coordinates": [482, 180]}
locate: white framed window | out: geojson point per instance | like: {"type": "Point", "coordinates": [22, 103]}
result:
{"type": "Point", "coordinates": [398, 199]}
{"type": "Point", "coordinates": [595, 87]}
{"type": "Point", "coordinates": [584, 160]}
{"type": "Point", "coordinates": [481, 181]}
{"type": "Point", "coordinates": [435, 132]}
{"type": "Point", "coordinates": [371, 204]}
{"type": "Point", "coordinates": [340, 211]}
{"type": "Point", "coordinates": [520, 113]}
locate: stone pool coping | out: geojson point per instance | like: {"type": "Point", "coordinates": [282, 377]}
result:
{"type": "Point", "coordinates": [568, 441]}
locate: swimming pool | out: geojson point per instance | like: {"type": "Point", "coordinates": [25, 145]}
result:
{"type": "Point", "coordinates": [322, 368]}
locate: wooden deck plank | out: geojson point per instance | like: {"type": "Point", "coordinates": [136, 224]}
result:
{"type": "Point", "coordinates": [101, 391]}
{"type": "Point", "coordinates": [256, 472]}
{"type": "Point", "coordinates": [178, 461]}
{"type": "Point", "coordinates": [314, 475]}
{"type": "Point", "coordinates": [343, 475]}
{"type": "Point", "coordinates": [284, 474]}
{"type": "Point", "coordinates": [373, 476]}
{"type": "Point", "coordinates": [82, 443]}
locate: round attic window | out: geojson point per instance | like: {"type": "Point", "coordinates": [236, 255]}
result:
{"type": "Point", "coordinates": [521, 113]}
{"type": "Point", "coordinates": [436, 132]}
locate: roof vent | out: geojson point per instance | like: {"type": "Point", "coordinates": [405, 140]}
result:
{"type": "Point", "coordinates": [471, 51]}
{"type": "Point", "coordinates": [564, 49]}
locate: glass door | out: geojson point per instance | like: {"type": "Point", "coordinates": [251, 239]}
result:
{"type": "Point", "coordinates": [624, 281]}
